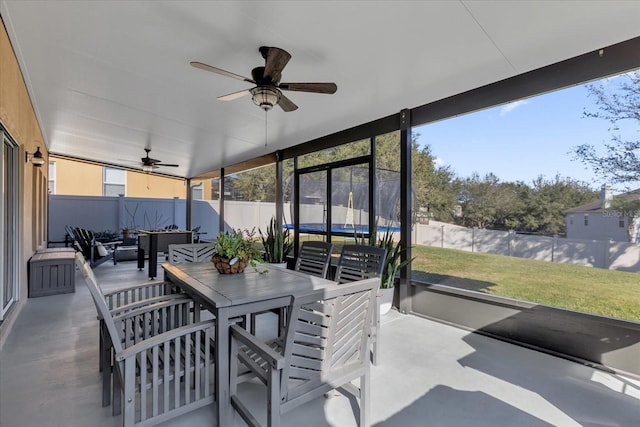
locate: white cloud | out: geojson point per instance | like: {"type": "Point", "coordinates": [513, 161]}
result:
{"type": "Point", "coordinates": [512, 106]}
{"type": "Point", "coordinates": [438, 162]}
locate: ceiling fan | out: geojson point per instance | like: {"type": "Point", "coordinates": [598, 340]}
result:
{"type": "Point", "coordinates": [268, 89]}
{"type": "Point", "coordinates": [149, 164]}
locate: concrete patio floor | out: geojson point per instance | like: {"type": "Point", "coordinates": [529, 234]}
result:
{"type": "Point", "coordinates": [429, 374]}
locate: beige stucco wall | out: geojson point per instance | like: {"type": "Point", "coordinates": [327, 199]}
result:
{"type": "Point", "coordinates": [78, 178]}
{"type": "Point", "coordinates": [18, 118]}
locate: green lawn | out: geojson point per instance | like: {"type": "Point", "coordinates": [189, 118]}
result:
{"type": "Point", "coordinates": [591, 290]}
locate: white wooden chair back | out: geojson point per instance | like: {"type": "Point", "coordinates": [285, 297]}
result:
{"type": "Point", "coordinates": [99, 300]}
{"type": "Point", "coordinates": [191, 252]}
{"type": "Point", "coordinates": [359, 262]}
{"type": "Point", "coordinates": [314, 258]}
{"type": "Point", "coordinates": [327, 335]}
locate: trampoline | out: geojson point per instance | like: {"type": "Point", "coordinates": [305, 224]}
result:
{"type": "Point", "coordinates": [340, 196]}
{"type": "Point", "coordinates": [341, 229]}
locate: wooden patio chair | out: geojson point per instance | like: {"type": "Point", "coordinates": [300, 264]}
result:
{"type": "Point", "coordinates": [120, 301]}
{"type": "Point", "coordinates": [128, 298]}
{"type": "Point", "coordinates": [191, 252]}
{"type": "Point", "coordinates": [314, 259]}
{"type": "Point", "coordinates": [359, 262]}
{"type": "Point", "coordinates": [95, 252]}
{"type": "Point", "coordinates": [325, 346]}
{"type": "Point", "coordinates": [163, 356]}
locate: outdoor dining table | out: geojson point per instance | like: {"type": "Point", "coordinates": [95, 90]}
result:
{"type": "Point", "coordinates": [229, 296]}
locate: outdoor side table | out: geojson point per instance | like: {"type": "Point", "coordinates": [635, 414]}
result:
{"type": "Point", "coordinates": [51, 273]}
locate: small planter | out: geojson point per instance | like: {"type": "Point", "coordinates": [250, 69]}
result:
{"type": "Point", "coordinates": [385, 300]}
{"type": "Point", "coordinates": [223, 266]}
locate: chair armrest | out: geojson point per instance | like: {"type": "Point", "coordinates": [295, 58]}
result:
{"type": "Point", "coordinates": [149, 343]}
{"type": "Point", "coordinates": [274, 359]}
{"type": "Point", "coordinates": [186, 303]}
{"type": "Point", "coordinates": [131, 294]}
{"type": "Point", "coordinates": [113, 243]}
{"type": "Point", "coordinates": [143, 303]}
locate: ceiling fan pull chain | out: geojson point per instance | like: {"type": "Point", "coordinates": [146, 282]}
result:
{"type": "Point", "coordinates": [265, 128]}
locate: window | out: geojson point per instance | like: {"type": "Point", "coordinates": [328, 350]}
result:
{"type": "Point", "coordinates": [621, 221]}
{"type": "Point", "coordinates": [114, 182]}
{"type": "Point", "coordinates": [52, 177]}
{"type": "Point", "coordinates": [571, 219]}
{"type": "Point", "coordinates": [197, 192]}
{"type": "Point", "coordinates": [586, 220]}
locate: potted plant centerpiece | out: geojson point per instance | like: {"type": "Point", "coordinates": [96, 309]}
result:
{"type": "Point", "coordinates": [276, 242]}
{"type": "Point", "coordinates": [234, 251]}
{"type": "Point", "coordinates": [392, 265]}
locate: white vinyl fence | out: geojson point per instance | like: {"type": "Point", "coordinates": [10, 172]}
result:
{"type": "Point", "coordinates": [115, 213]}
{"type": "Point", "coordinates": [593, 253]}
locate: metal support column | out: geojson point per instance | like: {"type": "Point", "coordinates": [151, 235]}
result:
{"type": "Point", "coordinates": [373, 192]}
{"type": "Point", "coordinates": [279, 190]}
{"type": "Point", "coordinates": [296, 208]}
{"type": "Point", "coordinates": [405, 209]}
{"type": "Point", "coordinates": [221, 202]}
{"type": "Point", "coordinates": [189, 203]}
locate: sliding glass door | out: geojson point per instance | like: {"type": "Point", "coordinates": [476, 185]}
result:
{"type": "Point", "coordinates": [9, 208]}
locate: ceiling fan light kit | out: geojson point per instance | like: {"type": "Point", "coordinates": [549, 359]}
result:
{"type": "Point", "coordinates": [265, 97]}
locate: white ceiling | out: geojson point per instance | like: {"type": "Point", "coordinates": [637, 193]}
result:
{"type": "Point", "coordinates": [108, 78]}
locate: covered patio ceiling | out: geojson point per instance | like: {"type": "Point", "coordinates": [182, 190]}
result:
{"type": "Point", "coordinates": [109, 78]}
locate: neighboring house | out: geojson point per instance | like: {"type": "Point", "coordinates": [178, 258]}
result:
{"type": "Point", "coordinates": [599, 220]}
{"type": "Point", "coordinates": [77, 178]}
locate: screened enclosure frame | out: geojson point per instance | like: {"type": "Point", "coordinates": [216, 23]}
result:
{"type": "Point", "coordinates": [327, 232]}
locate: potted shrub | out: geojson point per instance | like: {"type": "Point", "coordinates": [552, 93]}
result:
{"type": "Point", "coordinates": [234, 251]}
{"type": "Point", "coordinates": [392, 265]}
{"type": "Point", "coordinates": [276, 242]}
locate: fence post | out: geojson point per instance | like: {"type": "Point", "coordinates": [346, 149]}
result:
{"type": "Point", "coordinates": [442, 236]}
{"type": "Point", "coordinates": [509, 241]}
{"type": "Point", "coordinates": [121, 220]}
{"type": "Point", "coordinates": [473, 238]}
{"type": "Point", "coordinates": [554, 244]}
{"type": "Point", "coordinates": [174, 220]}
{"type": "Point", "coordinates": [607, 254]}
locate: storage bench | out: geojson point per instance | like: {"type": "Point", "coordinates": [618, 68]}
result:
{"type": "Point", "coordinates": [51, 273]}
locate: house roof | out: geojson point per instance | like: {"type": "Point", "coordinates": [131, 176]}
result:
{"type": "Point", "coordinates": [596, 205]}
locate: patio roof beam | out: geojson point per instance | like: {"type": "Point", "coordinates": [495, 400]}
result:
{"type": "Point", "coordinates": [608, 61]}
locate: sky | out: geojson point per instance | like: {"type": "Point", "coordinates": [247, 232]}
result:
{"type": "Point", "coordinates": [522, 140]}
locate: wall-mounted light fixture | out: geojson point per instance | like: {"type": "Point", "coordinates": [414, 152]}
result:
{"type": "Point", "coordinates": [36, 158]}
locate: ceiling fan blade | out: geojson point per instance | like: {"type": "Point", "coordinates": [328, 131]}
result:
{"type": "Point", "coordinates": [220, 71]}
{"type": "Point", "coordinates": [310, 87]}
{"type": "Point", "coordinates": [149, 160]}
{"type": "Point", "coordinates": [169, 165]}
{"type": "Point", "coordinates": [286, 104]}
{"type": "Point", "coordinates": [234, 95]}
{"type": "Point", "coordinates": [275, 61]}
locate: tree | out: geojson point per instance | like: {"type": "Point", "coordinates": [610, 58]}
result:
{"type": "Point", "coordinates": [618, 103]}
{"type": "Point", "coordinates": [486, 202]}
{"type": "Point", "coordinates": [547, 201]}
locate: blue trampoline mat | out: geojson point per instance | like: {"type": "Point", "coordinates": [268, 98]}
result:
{"type": "Point", "coordinates": [337, 228]}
